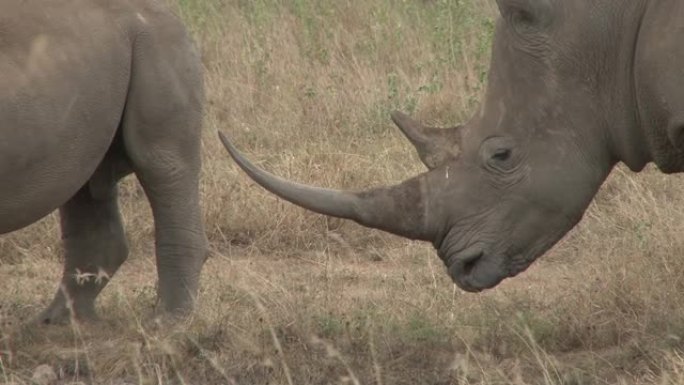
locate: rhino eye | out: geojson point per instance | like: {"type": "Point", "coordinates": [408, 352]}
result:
{"type": "Point", "coordinates": [521, 17]}
{"type": "Point", "coordinates": [501, 155]}
{"type": "Point", "coordinates": [526, 15]}
{"type": "Point", "coordinates": [498, 154]}
{"type": "Point", "coordinates": [523, 22]}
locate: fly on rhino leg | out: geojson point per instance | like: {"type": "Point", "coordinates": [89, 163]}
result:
{"type": "Point", "coordinates": [95, 246]}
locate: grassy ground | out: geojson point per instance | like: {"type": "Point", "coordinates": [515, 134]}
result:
{"type": "Point", "coordinates": [289, 297]}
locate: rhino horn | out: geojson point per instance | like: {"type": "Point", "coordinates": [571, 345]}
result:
{"type": "Point", "coordinates": [434, 145]}
{"type": "Point", "coordinates": [399, 209]}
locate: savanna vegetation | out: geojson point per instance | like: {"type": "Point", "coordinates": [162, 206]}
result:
{"type": "Point", "coordinates": [305, 87]}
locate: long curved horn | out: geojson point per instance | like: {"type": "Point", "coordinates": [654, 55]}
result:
{"type": "Point", "coordinates": [400, 209]}
{"type": "Point", "coordinates": [434, 145]}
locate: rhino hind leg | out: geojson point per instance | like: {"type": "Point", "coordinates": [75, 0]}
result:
{"type": "Point", "coordinates": [170, 179]}
{"type": "Point", "coordinates": [95, 246]}
{"type": "Point", "coordinates": [166, 160]}
{"type": "Point", "coordinates": [181, 244]}
{"type": "Point", "coordinates": [161, 129]}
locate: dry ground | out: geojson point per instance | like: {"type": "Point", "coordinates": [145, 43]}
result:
{"type": "Point", "coordinates": [290, 297]}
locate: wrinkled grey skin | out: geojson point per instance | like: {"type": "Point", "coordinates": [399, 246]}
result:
{"type": "Point", "coordinates": [91, 91]}
{"type": "Point", "coordinates": [575, 86]}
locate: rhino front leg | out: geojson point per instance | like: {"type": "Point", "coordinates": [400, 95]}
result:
{"type": "Point", "coordinates": [95, 246]}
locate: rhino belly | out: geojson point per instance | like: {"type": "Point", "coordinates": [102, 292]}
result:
{"type": "Point", "coordinates": [41, 182]}
{"type": "Point", "coordinates": [49, 148]}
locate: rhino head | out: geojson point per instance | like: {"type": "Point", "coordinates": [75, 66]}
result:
{"type": "Point", "coordinates": [503, 188]}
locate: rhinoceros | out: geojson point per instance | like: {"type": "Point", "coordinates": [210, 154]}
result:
{"type": "Point", "coordinates": [91, 91]}
{"type": "Point", "coordinates": [574, 87]}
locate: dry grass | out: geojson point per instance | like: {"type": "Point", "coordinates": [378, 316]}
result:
{"type": "Point", "coordinates": [289, 297]}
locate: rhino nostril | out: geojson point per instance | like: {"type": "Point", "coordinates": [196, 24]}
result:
{"type": "Point", "coordinates": [468, 263]}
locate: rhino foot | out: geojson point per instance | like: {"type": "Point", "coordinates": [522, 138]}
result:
{"type": "Point", "coordinates": [61, 313]}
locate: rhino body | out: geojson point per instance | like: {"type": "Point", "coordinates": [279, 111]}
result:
{"type": "Point", "coordinates": [574, 87]}
{"type": "Point", "coordinates": [91, 91]}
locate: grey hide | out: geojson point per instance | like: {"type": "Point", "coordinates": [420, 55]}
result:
{"type": "Point", "coordinates": [574, 87]}
{"type": "Point", "coordinates": [91, 91]}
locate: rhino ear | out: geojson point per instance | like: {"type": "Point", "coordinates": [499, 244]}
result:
{"type": "Point", "coordinates": [524, 14]}
{"type": "Point", "coordinates": [435, 146]}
